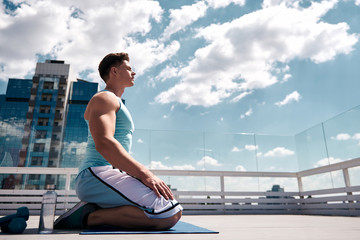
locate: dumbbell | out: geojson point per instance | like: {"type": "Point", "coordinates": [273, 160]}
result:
{"type": "Point", "coordinates": [15, 223]}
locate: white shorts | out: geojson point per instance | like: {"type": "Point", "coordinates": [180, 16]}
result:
{"type": "Point", "coordinates": [108, 188]}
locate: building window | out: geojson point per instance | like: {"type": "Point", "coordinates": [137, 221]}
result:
{"type": "Point", "coordinates": [39, 147]}
{"type": "Point", "coordinates": [34, 177]}
{"type": "Point", "coordinates": [55, 137]}
{"type": "Point", "coordinates": [46, 97]}
{"type": "Point", "coordinates": [45, 109]}
{"type": "Point", "coordinates": [36, 161]}
{"type": "Point", "coordinates": [40, 134]}
{"type": "Point", "coordinates": [43, 122]}
{"type": "Point", "coordinates": [51, 163]}
{"type": "Point", "coordinates": [48, 85]}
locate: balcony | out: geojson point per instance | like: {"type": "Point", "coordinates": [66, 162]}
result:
{"type": "Point", "coordinates": [55, 141]}
{"type": "Point", "coordinates": [63, 80]}
{"type": "Point", "coordinates": [60, 103]}
{"type": "Point", "coordinates": [32, 103]}
{"type": "Point", "coordinates": [53, 154]}
{"type": "Point", "coordinates": [61, 92]}
{"type": "Point", "coordinates": [57, 129]}
{"type": "Point", "coordinates": [58, 116]}
{"type": "Point", "coordinates": [22, 153]}
{"type": "Point", "coordinates": [253, 214]}
{"type": "Point", "coordinates": [25, 140]}
{"type": "Point", "coordinates": [36, 79]}
{"type": "Point", "coordinates": [340, 201]}
{"type": "Point", "coordinates": [29, 115]}
{"type": "Point", "coordinates": [33, 91]}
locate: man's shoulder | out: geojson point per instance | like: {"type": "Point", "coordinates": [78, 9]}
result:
{"type": "Point", "coordinates": [104, 98]}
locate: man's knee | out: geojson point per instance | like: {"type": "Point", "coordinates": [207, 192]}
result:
{"type": "Point", "coordinates": [167, 223]}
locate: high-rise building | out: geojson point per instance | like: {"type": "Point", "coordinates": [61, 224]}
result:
{"type": "Point", "coordinates": [13, 109]}
{"type": "Point", "coordinates": [47, 113]}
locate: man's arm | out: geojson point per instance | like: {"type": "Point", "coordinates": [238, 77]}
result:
{"type": "Point", "coordinates": [102, 117]}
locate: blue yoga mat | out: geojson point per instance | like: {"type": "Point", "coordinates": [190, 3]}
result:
{"type": "Point", "coordinates": [179, 228]}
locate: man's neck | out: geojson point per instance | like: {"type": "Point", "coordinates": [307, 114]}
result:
{"type": "Point", "coordinates": [117, 92]}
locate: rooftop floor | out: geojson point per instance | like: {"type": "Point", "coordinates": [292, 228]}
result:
{"type": "Point", "coordinates": [231, 227]}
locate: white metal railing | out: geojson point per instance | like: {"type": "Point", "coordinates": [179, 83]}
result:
{"type": "Point", "coordinates": [333, 201]}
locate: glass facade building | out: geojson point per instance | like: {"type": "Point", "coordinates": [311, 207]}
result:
{"type": "Point", "coordinates": [41, 120]}
{"type": "Point", "coordinates": [76, 131]}
{"type": "Point", "coordinates": [13, 109]}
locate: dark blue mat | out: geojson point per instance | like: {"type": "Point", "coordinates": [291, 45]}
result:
{"type": "Point", "coordinates": [179, 228]}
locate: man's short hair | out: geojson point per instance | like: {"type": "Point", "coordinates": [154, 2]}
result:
{"type": "Point", "coordinates": [109, 61]}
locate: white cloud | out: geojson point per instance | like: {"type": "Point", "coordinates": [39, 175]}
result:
{"type": "Point", "coordinates": [251, 147]}
{"type": "Point", "coordinates": [223, 3]}
{"type": "Point", "coordinates": [235, 149]}
{"type": "Point", "coordinates": [11, 129]}
{"type": "Point", "coordinates": [166, 73]}
{"type": "Point", "coordinates": [140, 140]}
{"type": "Point", "coordinates": [346, 136]}
{"type": "Point", "coordinates": [81, 33]}
{"type": "Point", "coordinates": [241, 96]}
{"type": "Point", "coordinates": [342, 137]}
{"type": "Point", "coordinates": [204, 113]}
{"type": "Point", "coordinates": [152, 53]}
{"type": "Point", "coordinates": [327, 161]}
{"type": "Point", "coordinates": [247, 114]}
{"type": "Point", "coordinates": [247, 147]}
{"type": "Point", "coordinates": [279, 152]}
{"type": "Point", "coordinates": [294, 96]}
{"type": "Point", "coordinates": [188, 14]}
{"type": "Point", "coordinates": [180, 18]}
{"type": "Point", "coordinates": [80, 147]}
{"type": "Point", "coordinates": [286, 77]}
{"type": "Point", "coordinates": [357, 2]}
{"type": "Point", "coordinates": [242, 55]}
{"type": "Point", "coordinates": [356, 136]}
{"type": "Point", "coordinates": [206, 160]}
{"type": "Point", "coordinates": [240, 168]}
{"type": "Point", "coordinates": [159, 165]}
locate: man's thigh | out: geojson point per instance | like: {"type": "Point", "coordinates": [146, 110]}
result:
{"type": "Point", "coordinates": [108, 188]}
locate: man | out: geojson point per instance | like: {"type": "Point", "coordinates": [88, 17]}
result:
{"type": "Point", "coordinates": [113, 187]}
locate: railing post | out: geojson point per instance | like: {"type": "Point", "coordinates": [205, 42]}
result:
{"type": "Point", "coordinates": [222, 189]}
{"type": "Point", "coordinates": [222, 186]}
{"type": "Point", "coordinates": [67, 189]}
{"type": "Point", "coordinates": [68, 180]}
{"type": "Point", "coordinates": [300, 186]}
{"type": "Point", "coordinates": [347, 181]}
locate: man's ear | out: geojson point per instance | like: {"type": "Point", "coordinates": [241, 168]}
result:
{"type": "Point", "coordinates": [113, 70]}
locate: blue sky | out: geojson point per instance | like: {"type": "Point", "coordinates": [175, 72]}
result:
{"type": "Point", "coordinates": [273, 67]}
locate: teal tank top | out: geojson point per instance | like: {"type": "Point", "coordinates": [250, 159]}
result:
{"type": "Point", "coordinates": [124, 128]}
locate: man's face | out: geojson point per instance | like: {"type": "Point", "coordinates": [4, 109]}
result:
{"type": "Point", "coordinates": [125, 74]}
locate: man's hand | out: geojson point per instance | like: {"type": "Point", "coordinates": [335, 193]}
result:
{"type": "Point", "coordinates": [158, 186]}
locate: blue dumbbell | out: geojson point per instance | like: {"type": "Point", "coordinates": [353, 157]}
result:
{"type": "Point", "coordinates": [15, 226]}
{"type": "Point", "coordinates": [15, 223]}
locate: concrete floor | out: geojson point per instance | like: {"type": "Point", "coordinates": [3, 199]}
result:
{"type": "Point", "coordinates": [231, 227]}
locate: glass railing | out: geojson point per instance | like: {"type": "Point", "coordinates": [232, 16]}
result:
{"type": "Point", "coordinates": [335, 140]}
{"type": "Point", "coordinates": [214, 151]}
